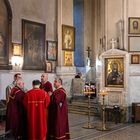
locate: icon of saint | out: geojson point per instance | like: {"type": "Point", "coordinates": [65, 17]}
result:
{"type": "Point", "coordinates": [67, 39]}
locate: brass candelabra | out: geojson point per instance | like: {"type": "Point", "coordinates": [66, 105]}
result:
{"type": "Point", "coordinates": [103, 126]}
{"type": "Point", "coordinates": [88, 125]}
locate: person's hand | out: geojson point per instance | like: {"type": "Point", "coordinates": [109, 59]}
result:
{"type": "Point", "coordinates": [50, 93]}
{"type": "Point", "coordinates": [60, 104]}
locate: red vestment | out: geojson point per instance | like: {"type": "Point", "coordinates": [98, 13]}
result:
{"type": "Point", "coordinates": [15, 113]}
{"type": "Point", "coordinates": [36, 102]}
{"type": "Point", "coordinates": [47, 87]}
{"type": "Point", "coordinates": [58, 126]}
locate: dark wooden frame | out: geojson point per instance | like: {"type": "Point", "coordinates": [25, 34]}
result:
{"type": "Point", "coordinates": [6, 33]}
{"type": "Point", "coordinates": [51, 50]}
{"type": "Point", "coordinates": [134, 25]}
{"type": "Point", "coordinates": [135, 59]}
{"type": "Point", "coordinates": [48, 67]}
{"type": "Point", "coordinates": [133, 43]}
{"type": "Point", "coordinates": [65, 30]}
{"type": "Point", "coordinates": [33, 40]}
{"type": "Point", "coordinates": [109, 62]}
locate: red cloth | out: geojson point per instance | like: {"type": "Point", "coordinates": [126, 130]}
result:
{"type": "Point", "coordinates": [58, 125]}
{"type": "Point", "coordinates": [15, 113]}
{"type": "Point", "coordinates": [36, 102]}
{"type": "Point", "coordinates": [47, 87]}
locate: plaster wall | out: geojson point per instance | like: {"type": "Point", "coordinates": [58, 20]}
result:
{"type": "Point", "coordinates": [114, 13]}
{"type": "Point", "coordinates": [53, 13]}
{"type": "Point", "coordinates": [64, 16]}
{"type": "Point", "coordinates": [6, 78]}
{"type": "Point", "coordinates": [134, 83]}
{"type": "Point", "coordinates": [133, 8]}
{"type": "Point", "coordinates": [134, 75]}
{"type": "Point", "coordinates": [116, 10]}
{"type": "Point", "coordinates": [34, 10]}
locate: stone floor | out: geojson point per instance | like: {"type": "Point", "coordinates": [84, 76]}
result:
{"type": "Point", "coordinates": [117, 131]}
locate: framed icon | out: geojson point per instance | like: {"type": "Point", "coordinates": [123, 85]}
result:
{"type": "Point", "coordinates": [48, 67]}
{"type": "Point", "coordinates": [134, 25]}
{"type": "Point", "coordinates": [51, 50]}
{"type": "Point", "coordinates": [17, 49]}
{"type": "Point", "coordinates": [68, 38]}
{"type": "Point", "coordinates": [33, 38]}
{"type": "Point", "coordinates": [68, 58]}
{"type": "Point", "coordinates": [114, 72]}
{"type": "Point", "coordinates": [135, 59]}
{"type": "Point", "coordinates": [134, 43]}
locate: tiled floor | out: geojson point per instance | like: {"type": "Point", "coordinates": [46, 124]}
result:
{"type": "Point", "coordinates": [117, 132]}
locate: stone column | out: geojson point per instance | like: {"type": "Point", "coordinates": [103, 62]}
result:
{"type": "Point", "coordinates": [64, 16]}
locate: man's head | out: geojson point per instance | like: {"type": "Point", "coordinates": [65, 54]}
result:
{"type": "Point", "coordinates": [36, 83]}
{"type": "Point", "coordinates": [19, 83]}
{"type": "Point", "coordinates": [68, 31]}
{"type": "Point", "coordinates": [114, 67]}
{"type": "Point", "coordinates": [135, 24]}
{"type": "Point", "coordinates": [80, 74]}
{"type": "Point", "coordinates": [57, 82]}
{"type": "Point", "coordinates": [17, 76]}
{"type": "Point", "coordinates": [44, 78]}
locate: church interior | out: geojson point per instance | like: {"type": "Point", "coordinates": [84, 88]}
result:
{"type": "Point", "coordinates": [97, 39]}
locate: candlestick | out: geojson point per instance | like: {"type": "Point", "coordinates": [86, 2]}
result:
{"type": "Point", "coordinates": [103, 127]}
{"type": "Point", "coordinates": [88, 125]}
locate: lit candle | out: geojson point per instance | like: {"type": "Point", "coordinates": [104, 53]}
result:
{"type": "Point", "coordinates": [103, 92]}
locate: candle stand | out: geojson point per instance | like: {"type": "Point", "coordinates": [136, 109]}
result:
{"type": "Point", "coordinates": [103, 126]}
{"type": "Point", "coordinates": [88, 125]}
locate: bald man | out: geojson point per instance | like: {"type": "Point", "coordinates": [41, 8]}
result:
{"type": "Point", "coordinates": [45, 84]}
{"type": "Point", "coordinates": [58, 125]}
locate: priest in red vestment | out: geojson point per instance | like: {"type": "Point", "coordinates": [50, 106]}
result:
{"type": "Point", "coordinates": [58, 126]}
{"type": "Point", "coordinates": [15, 113]}
{"type": "Point", "coordinates": [36, 101]}
{"type": "Point", "coordinates": [45, 84]}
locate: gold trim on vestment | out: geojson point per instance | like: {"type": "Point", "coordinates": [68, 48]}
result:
{"type": "Point", "coordinates": [60, 137]}
{"type": "Point", "coordinates": [35, 102]}
{"type": "Point", "coordinates": [62, 89]}
{"type": "Point", "coordinates": [12, 97]}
